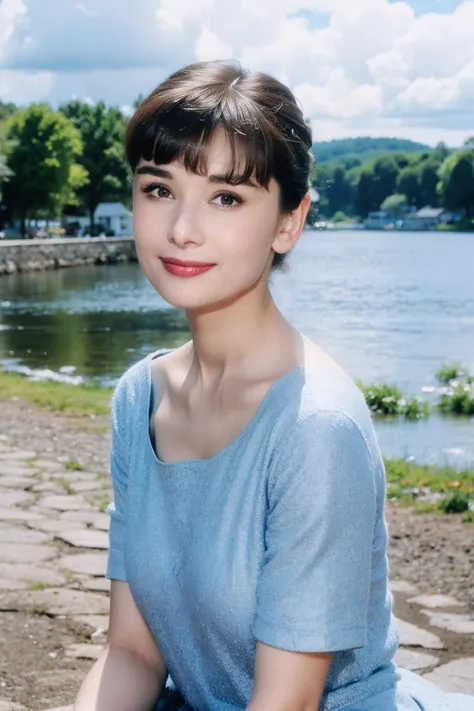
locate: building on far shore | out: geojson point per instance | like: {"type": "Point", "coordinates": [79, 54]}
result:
{"type": "Point", "coordinates": [113, 218]}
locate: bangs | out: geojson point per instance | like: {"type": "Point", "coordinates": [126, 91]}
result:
{"type": "Point", "coordinates": [179, 131]}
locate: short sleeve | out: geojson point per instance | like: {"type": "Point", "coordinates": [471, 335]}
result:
{"type": "Point", "coordinates": [314, 586]}
{"type": "Point", "coordinates": [117, 509]}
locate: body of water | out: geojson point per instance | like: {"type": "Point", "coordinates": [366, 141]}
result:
{"type": "Point", "coordinates": [390, 307]}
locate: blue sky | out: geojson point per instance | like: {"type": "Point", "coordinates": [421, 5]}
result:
{"type": "Point", "coordinates": [359, 67]}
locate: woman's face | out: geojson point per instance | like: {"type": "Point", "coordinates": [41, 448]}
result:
{"type": "Point", "coordinates": [184, 217]}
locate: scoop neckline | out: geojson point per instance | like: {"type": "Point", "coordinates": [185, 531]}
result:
{"type": "Point", "coordinates": [186, 463]}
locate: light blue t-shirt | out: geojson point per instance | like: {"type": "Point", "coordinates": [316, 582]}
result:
{"type": "Point", "coordinates": [280, 537]}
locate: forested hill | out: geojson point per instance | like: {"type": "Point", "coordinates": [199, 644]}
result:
{"type": "Point", "coordinates": [364, 148]}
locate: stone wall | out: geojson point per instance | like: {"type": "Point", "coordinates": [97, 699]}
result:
{"type": "Point", "coordinates": [38, 254]}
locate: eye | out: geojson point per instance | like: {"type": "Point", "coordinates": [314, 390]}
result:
{"type": "Point", "coordinates": [228, 200]}
{"type": "Point", "coordinates": [161, 191]}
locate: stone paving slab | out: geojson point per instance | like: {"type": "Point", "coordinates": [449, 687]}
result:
{"type": "Point", "coordinates": [96, 519]}
{"type": "Point", "coordinates": [402, 586]}
{"type": "Point", "coordinates": [16, 514]}
{"type": "Point", "coordinates": [18, 455]}
{"type": "Point", "coordinates": [86, 538]}
{"type": "Point", "coordinates": [456, 676]}
{"type": "Point", "coordinates": [17, 534]}
{"type": "Point", "coordinates": [413, 636]}
{"type": "Point", "coordinates": [17, 482]}
{"type": "Point", "coordinates": [12, 498]}
{"type": "Point", "coordinates": [11, 706]}
{"type": "Point", "coordinates": [434, 601]}
{"type": "Point", "coordinates": [95, 622]}
{"type": "Point", "coordinates": [413, 660]}
{"type": "Point", "coordinates": [26, 552]}
{"type": "Point", "coordinates": [67, 502]}
{"type": "Point", "coordinates": [56, 601]}
{"type": "Point", "coordinates": [94, 584]}
{"type": "Point", "coordinates": [83, 651]}
{"type": "Point", "coordinates": [89, 563]}
{"type": "Point", "coordinates": [460, 624]}
{"type": "Point", "coordinates": [55, 525]}
{"type": "Point", "coordinates": [32, 574]}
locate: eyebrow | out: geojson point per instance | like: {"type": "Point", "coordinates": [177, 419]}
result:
{"type": "Point", "coordinates": [215, 178]}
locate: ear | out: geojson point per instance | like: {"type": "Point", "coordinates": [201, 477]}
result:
{"type": "Point", "coordinates": [291, 226]}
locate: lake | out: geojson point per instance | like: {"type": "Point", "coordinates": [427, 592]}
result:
{"type": "Point", "coordinates": [390, 307]}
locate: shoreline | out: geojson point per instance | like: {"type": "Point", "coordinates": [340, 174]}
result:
{"type": "Point", "coordinates": [18, 256]}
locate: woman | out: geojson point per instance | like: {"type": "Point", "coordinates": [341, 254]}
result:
{"type": "Point", "coordinates": [248, 539]}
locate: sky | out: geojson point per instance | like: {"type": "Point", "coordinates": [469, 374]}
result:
{"type": "Point", "coordinates": [401, 68]}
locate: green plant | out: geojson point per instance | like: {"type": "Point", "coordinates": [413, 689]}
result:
{"type": "Point", "coordinates": [387, 400]}
{"type": "Point", "coordinates": [455, 503]}
{"type": "Point", "coordinates": [447, 373]}
{"type": "Point", "coordinates": [72, 465]}
{"type": "Point", "coordinates": [459, 400]}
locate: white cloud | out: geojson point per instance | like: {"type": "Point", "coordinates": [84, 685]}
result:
{"type": "Point", "coordinates": [376, 66]}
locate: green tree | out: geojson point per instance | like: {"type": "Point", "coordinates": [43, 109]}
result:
{"type": "Point", "coordinates": [456, 184]}
{"type": "Point", "coordinates": [340, 193]}
{"type": "Point", "coordinates": [102, 131]}
{"type": "Point", "coordinates": [376, 182]}
{"type": "Point", "coordinates": [408, 184]}
{"type": "Point", "coordinates": [429, 178]}
{"type": "Point", "coordinates": [42, 146]}
{"type": "Point", "coordinates": [394, 204]}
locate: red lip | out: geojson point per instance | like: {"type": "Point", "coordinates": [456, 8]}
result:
{"type": "Point", "coordinates": [179, 263]}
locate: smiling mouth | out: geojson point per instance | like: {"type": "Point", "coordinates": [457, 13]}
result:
{"type": "Point", "coordinates": [185, 269]}
{"type": "Point", "coordinates": [179, 263]}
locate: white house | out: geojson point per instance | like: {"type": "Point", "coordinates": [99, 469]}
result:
{"type": "Point", "coordinates": [111, 217]}
{"type": "Point", "coordinates": [114, 216]}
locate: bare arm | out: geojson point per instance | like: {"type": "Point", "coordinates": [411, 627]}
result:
{"type": "Point", "coordinates": [131, 672]}
{"type": "Point", "coordinates": [288, 681]}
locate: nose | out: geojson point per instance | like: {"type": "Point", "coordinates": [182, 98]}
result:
{"type": "Point", "coordinates": [185, 229]}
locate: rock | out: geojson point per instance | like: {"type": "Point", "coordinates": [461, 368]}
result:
{"type": "Point", "coordinates": [61, 708]}
{"type": "Point", "coordinates": [83, 651]}
{"type": "Point", "coordinates": [86, 538]}
{"type": "Point", "coordinates": [64, 503]}
{"type": "Point", "coordinates": [89, 563]}
{"type": "Point", "coordinates": [460, 624]}
{"type": "Point", "coordinates": [26, 553]}
{"type": "Point", "coordinates": [455, 676]}
{"type": "Point", "coordinates": [409, 659]}
{"type": "Point", "coordinates": [55, 601]}
{"type": "Point", "coordinates": [402, 586]}
{"type": "Point", "coordinates": [95, 622]}
{"type": "Point", "coordinates": [413, 636]}
{"type": "Point", "coordinates": [434, 601]}
{"type": "Point", "coordinates": [31, 574]}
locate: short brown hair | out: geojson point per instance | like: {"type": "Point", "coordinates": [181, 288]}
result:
{"type": "Point", "coordinates": [259, 114]}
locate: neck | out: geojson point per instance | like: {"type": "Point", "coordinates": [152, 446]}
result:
{"type": "Point", "coordinates": [248, 337]}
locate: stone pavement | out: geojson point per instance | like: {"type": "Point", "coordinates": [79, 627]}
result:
{"type": "Point", "coordinates": [53, 551]}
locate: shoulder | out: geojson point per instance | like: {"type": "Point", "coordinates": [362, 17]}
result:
{"type": "Point", "coordinates": [131, 388]}
{"type": "Point", "coordinates": [322, 403]}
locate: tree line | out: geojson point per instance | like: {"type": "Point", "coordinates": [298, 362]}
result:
{"type": "Point", "coordinates": [438, 177]}
{"type": "Point", "coordinates": [66, 162]}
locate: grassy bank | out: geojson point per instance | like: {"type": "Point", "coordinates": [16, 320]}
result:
{"type": "Point", "coordinates": [81, 400]}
